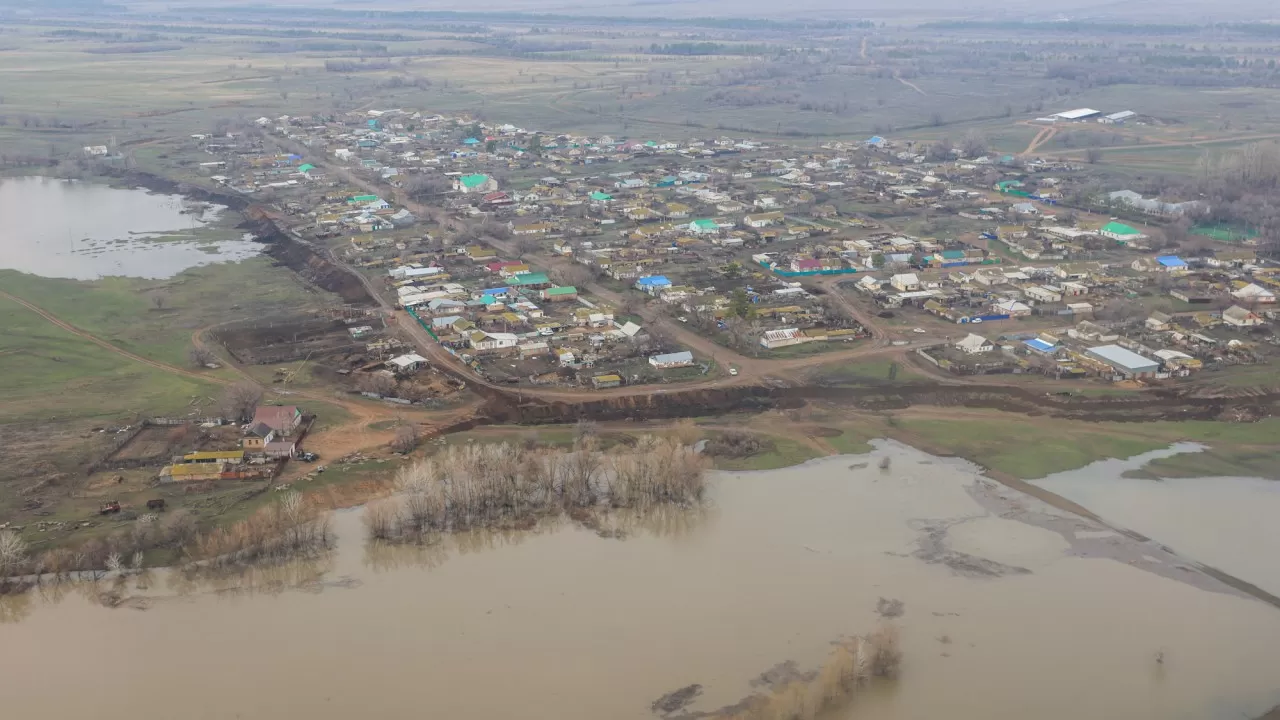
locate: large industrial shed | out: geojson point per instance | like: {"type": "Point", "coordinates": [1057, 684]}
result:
{"type": "Point", "coordinates": [1125, 362]}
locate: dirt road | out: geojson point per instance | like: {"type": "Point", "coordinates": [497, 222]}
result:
{"type": "Point", "coordinates": [349, 436]}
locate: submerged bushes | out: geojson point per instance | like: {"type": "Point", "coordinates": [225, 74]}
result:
{"type": "Point", "coordinates": [503, 486]}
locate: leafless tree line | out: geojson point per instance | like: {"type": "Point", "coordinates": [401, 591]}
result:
{"type": "Point", "coordinates": [504, 486]}
{"type": "Point", "coordinates": [290, 526]}
{"type": "Point", "coordinates": [850, 668]}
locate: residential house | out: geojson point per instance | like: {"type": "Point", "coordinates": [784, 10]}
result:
{"type": "Point", "coordinates": [283, 419]}
{"type": "Point", "coordinates": [559, 294]}
{"type": "Point", "coordinates": [601, 382]}
{"type": "Point", "coordinates": [704, 227]}
{"type": "Point", "coordinates": [1237, 316]}
{"type": "Point", "coordinates": [1012, 308]}
{"type": "Point", "coordinates": [905, 282]}
{"type": "Point", "coordinates": [973, 344]}
{"type": "Point", "coordinates": [672, 360]}
{"type": "Point", "coordinates": [761, 220]}
{"type": "Point", "coordinates": [471, 184]}
{"type": "Point", "coordinates": [482, 341]}
{"type": "Point", "coordinates": [652, 284]}
{"type": "Point", "coordinates": [783, 337]}
{"type": "Point", "coordinates": [1254, 294]}
{"type": "Point", "coordinates": [1121, 233]}
{"type": "Point", "coordinates": [537, 228]}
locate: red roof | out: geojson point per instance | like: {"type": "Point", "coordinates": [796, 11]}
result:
{"type": "Point", "coordinates": [501, 264]}
{"type": "Point", "coordinates": [277, 417]}
{"type": "Point", "coordinates": [809, 264]}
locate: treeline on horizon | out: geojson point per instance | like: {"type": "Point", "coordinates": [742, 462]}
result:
{"type": "Point", "coordinates": [499, 17]}
{"type": "Point", "coordinates": [1085, 26]}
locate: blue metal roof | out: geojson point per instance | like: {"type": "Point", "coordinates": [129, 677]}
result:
{"type": "Point", "coordinates": [654, 280]}
{"type": "Point", "coordinates": [1171, 261]}
{"type": "Point", "coordinates": [1038, 344]}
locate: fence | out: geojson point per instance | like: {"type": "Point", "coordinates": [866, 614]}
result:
{"type": "Point", "coordinates": [807, 273]}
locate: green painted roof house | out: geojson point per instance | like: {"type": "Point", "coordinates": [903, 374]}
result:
{"type": "Point", "coordinates": [600, 197]}
{"type": "Point", "coordinates": [1115, 228]}
{"type": "Point", "coordinates": [558, 291]}
{"type": "Point", "coordinates": [363, 199]}
{"type": "Point", "coordinates": [705, 225]}
{"type": "Point", "coordinates": [539, 278]}
{"type": "Point", "coordinates": [471, 181]}
{"type": "Point", "coordinates": [307, 167]}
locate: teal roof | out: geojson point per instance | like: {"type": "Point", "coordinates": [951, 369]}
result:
{"type": "Point", "coordinates": [539, 278]}
{"type": "Point", "coordinates": [470, 181]}
{"type": "Point", "coordinates": [706, 224]}
{"type": "Point", "coordinates": [364, 199]}
{"type": "Point", "coordinates": [306, 167]}
{"type": "Point", "coordinates": [566, 290]}
{"type": "Point", "coordinates": [601, 196]}
{"type": "Point", "coordinates": [952, 254]}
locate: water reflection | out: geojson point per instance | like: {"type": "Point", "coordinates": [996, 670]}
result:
{"type": "Point", "coordinates": [85, 230]}
{"type": "Point", "coordinates": [658, 521]}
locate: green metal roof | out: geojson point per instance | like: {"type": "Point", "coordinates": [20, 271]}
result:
{"type": "Point", "coordinates": [601, 196]}
{"type": "Point", "coordinates": [706, 224]}
{"type": "Point", "coordinates": [1119, 229]}
{"type": "Point", "coordinates": [470, 181]}
{"type": "Point", "coordinates": [531, 279]}
{"type": "Point", "coordinates": [566, 290]}
{"type": "Point", "coordinates": [365, 198]}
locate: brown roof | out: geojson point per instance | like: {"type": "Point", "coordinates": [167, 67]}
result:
{"type": "Point", "coordinates": [277, 417]}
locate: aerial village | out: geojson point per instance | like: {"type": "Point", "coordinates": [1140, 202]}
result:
{"type": "Point", "coordinates": [540, 258]}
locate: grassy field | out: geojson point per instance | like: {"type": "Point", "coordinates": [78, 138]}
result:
{"type": "Point", "coordinates": [124, 311]}
{"type": "Point", "coordinates": [1033, 448]}
{"type": "Point", "coordinates": [51, 375]}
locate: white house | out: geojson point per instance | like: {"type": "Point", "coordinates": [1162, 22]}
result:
{"type": "Point", "coordinates": [1254, 293]}
{"type": "Point", "coordinates": [905, 282]}
{"type": "Point", "coordinates": [974, 344]}
{"type": "Point", "coordinates": [1237, 316]}
{"type": "Point", "coordinates": [1012, 308]}
{"type": "Point", "coordinates": [672, 360]}
{"type": "Point", "coordinates": [481, 340]}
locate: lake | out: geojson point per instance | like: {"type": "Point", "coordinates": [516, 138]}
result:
{"type": "Point", "coordinates": [84, 230]}
{"type": "Point", "coordinates": [1013, 609]}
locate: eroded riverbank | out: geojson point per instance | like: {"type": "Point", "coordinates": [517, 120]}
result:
{"type": "Point", "coordinates": [1011, 609]}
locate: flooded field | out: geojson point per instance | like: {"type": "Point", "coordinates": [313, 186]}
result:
{"type": "Point", "coordinates": [1010, 609]}
{"type": "Point", "coordinates": [83, 230]}
{"type": "Point", "coordinates": [1225, 522]}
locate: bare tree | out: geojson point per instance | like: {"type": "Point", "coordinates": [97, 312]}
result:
{"type": "Point", "coordinates": [406, 439]}
{"type": "Point", "coordinates": [1093, 155]}
{"type": "Point", "coordinates": [239, 401]}
{"type": "Point", "coordinates": [13, 554]}
{"type": "Point", "coordinates": [160, 300]}
{"type": "Point", "coordinates": [378, 383]}
{"type": "Point", "coordinates": [201, 356]}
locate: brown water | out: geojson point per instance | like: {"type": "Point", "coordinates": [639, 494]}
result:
{"type": "Point", "coordinates": [1039, 620]}
{"type": "Point", "coordinates": [85, 230]}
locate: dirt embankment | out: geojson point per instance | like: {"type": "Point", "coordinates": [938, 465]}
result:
{"type": "Point", "coordinates": [504, 406]}
{"type": "Point", "coordinates": [308, 261]}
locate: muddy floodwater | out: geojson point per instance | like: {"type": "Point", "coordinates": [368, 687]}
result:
{"type": "Point", "coordinates": [1010, 610]}
{"type": "Point", "coordinates": [85, 230]}
{"type": "Point", "coordinates": [1229, 523]}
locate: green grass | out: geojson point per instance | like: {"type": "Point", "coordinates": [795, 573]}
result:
{"type": "Point", "coordinates": [781, 452]}
{"type": "Point", "coordinates": [864, 372]}
{"type": "Point", "coordinates": [122, 310]}
{"type": "Point", "coordinates": [1034, 449]}
{"type": "Point", "coordinates": [1028, 450]}
{"type": "Point", "coordinates": [853, 441]}
{"type": "Point", "coordinates": [1215, 462]}
{"type": "Point", "coordinates": [51, 375]}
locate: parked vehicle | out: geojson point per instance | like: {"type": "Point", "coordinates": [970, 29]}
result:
{"type": "Point", "coordinates": [156, 504]}
{"type": "Point", "coordinates": [308, 457]}
{"type": "Point", "coordinates": [109, 508]}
